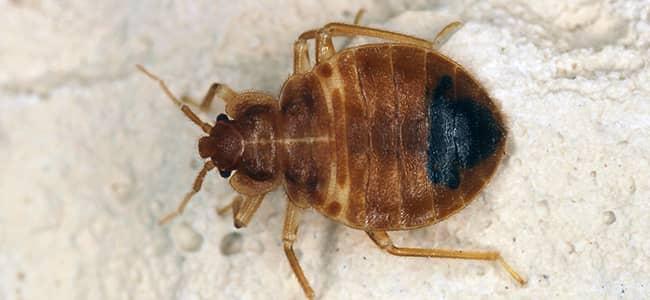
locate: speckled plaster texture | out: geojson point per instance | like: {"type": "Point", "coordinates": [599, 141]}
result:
{"type": "Point", "coordinates": [92, 153]}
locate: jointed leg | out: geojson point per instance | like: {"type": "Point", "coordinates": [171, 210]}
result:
{"type": "Point", "coordinates": [324, 47]}
{"type": "Point", "coordinates": [289, 234]}
{"type": "Point", "coordinates": [358, 16]}
{"type": "Point", "coordinates": [311, 34]}
{"type": "Point", "coordinates": [196, 187]}
{"type": "Point", "coordinates": [384, 242]}
{"type": "Point", "coordinates": [222, 211]}
{"type": "Point", "coordinates": [300, 57]}
{"type": "Point", "coordinates": [340, 29]}
{"type": "Point", "coordinates": [446, 33]}
{"type": "Point", "coordinates": [243, 209]}
{"type": "Point", "coordinates": [219, 90]}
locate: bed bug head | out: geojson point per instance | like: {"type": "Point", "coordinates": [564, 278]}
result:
{"type": "Point", "coordinates": [224, 145]}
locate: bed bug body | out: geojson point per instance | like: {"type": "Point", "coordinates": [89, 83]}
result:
{"type": "Point", "coordinates": [392, 137]}
{"type": "Point", "coordinates": [379, 137]}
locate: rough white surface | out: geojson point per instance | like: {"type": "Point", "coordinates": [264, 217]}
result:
{"type": "Point", "coordinates": [92, 153]}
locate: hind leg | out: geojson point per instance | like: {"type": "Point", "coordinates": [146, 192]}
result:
{"type": "Point", "coordinates": [341, 29]}
{"type": "Point", "coordinates": [446, 33]}
{"type": "Point", "coordinates": [289, 235]}
{"type": "Point", "coordinates": [384, 242]}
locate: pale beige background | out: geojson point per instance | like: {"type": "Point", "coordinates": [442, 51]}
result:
{"type": "Point", "coordinates": [91, 153]}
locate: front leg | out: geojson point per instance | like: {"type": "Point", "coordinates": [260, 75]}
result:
{"type": "Point", "coordinates": [243, 209]}
{"type": "Point", "coordinates": [289, 235]}
{"type": "Point", "coordinates": [196, 187]}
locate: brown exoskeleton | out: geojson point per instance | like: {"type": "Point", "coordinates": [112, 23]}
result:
{"type": "Point", "coordinates": [379, 137]}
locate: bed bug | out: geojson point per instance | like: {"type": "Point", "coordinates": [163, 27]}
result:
{"type": "Point", "coordinates": [379, 137]}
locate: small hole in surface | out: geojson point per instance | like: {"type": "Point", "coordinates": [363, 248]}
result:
{"type": "Point", "coordinates": [609, 217]}
{"type": "Point", "coordinates": [231, 243]}
{"type": "Point", "coordinates": [186, 238]}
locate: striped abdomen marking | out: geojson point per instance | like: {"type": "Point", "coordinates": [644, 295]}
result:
{"type": "Point", "coordinates": [378, 163]}
{"type": "Point", "coordinates": [304, 115]}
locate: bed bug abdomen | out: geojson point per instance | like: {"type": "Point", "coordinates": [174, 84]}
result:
{"type": "Point", "coordinates": [466, 139]}
{"type": "Point", "coordinates": [305, 140]}
{"type": "Point", "coordinates": [399, 137]}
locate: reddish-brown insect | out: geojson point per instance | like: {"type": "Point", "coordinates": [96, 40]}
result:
{"type": "Point", "coordinates": [379, 137]}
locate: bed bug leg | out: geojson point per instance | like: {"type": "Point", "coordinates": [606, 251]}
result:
{"type": "Point", "coordinates": [219, 90]}
{"type": "Point", "coordinates": [289, 235]}
{"type": "Point", "coordinates": [184, 108]}
{"type": "Point", "coordinates": [358, 16]}
{"type": "Point", "coordinates": [357, 20]}
{"type": "Point", "coordinates": [323, 36]}
{"type": "Point", "coordinates": [446, 33]}
{"type": "Point", "coordinates": [243, 209]}
{"type": "Point", "coordinates": [324, 46]}
{"type": "Point", "coordinates": [196, 187]}
{"type": "Point", "coordinates": [341, 29]}
{"type": "Point", "coordinates": [222, 211]}
{"type": "Point", "coordinates": [384, 242]}
{"type": "Point", "coordinates": [301, 63]}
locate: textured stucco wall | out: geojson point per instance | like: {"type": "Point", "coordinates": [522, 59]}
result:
{"type": "Point", "coordinates": [92, 153]}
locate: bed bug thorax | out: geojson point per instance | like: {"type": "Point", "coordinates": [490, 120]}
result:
{"type": "Point", "coordinates": [379, 137]}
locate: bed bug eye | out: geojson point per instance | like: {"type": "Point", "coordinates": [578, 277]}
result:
{"type": "Point", "coordinates": [222, 117]}
{"type": "Point", "coordinates": [225, 174]}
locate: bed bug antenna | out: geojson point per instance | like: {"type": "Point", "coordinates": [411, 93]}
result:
{"type": "Point", "coordinates": [184, 108]}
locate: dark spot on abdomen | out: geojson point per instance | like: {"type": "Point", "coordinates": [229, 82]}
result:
{"type": "Point", "coordinates": [462, 133]}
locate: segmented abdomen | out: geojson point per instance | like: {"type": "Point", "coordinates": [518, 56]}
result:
{"type": "Point", "coordinates": [363, 150]}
